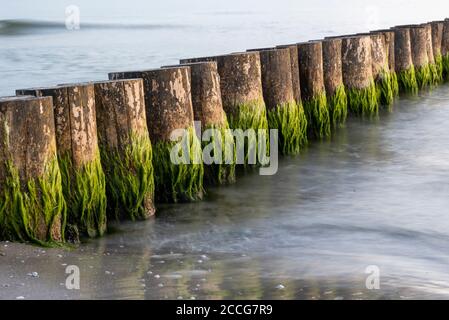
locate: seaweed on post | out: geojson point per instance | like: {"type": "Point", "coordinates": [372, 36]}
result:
{"type": "Point", "coordinates": [32, 206]}
{"type": "Point", "coordinates": [364, 101]}
{"type": "Point", "coordinates": [179, 181]}
{"type": "Point", "coordinates": [291, 121]}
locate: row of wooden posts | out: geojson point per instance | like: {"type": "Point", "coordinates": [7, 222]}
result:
{"type": "Point", "coordinates": [74, 156]}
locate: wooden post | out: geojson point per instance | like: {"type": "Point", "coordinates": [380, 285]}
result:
{"type": "Point", "coordinates": [388, 40]}
{"type": "Point", "coordinates": [310, 56]}
{"type": "Point", "coordinates": [434, 73]}
{"type": "Point", "coordinates": [358, 75]}
{"type": "Point", "coordinates": [294, 63]}
{"type": "Point", "coordinates": [32, 203]}
{"type": "Point", "coordinates": [125, 146]}
{"type": "Point", "coordinates": [283, 112]}
{"type": "Point", "coordinates": [437, 40]}
{"type": "Point", "coordinates": [169, 112]}
{"type": "Point", "coordinates": [208, 110]}
{"type": "Point", "coordinates": [381, 71]}
{"type": "Point", "coordinates": [333, 81]}
{"type": "Point", "coordinates": [241, 88]}
{"type": "Point", "coordinates": [418, 39]}
{"type": "Point", "coordinates": [83, 178]}
{"type": "Point", "coordinates": [403, 61]}
{"type": "Point", "coordinates": [242, 95]}
{"type": "Point", "coordinates": [445, 49]}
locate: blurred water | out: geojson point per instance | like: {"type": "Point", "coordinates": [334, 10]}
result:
{"type": "Point", "coordinates": [377, 194]}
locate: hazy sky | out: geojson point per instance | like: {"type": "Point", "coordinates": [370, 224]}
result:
{"type": "Point", "coordinates": [112, 10]}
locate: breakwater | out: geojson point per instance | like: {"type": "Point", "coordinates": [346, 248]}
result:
{"type": "Point", "coordinates": [252, 87]}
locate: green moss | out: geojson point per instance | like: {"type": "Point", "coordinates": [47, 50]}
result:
{"type": "Point", "coordinates": [407, 81]}
{"type": "Point", "coordinates": [338, 107]}
{"type": "Point", "coordinates": [423, 76]}
{"type": "Point", "coordinates": [318, 119]}
{"type": "Point", "coordinates": [28, 209]}
{"type": "Point", "coordinates": [129, 179]}
{"type": "Point", "coordinates": [291, 122]}
{"type": "Point", "coordinates": [250, 116]}
{"type": "Point", "coordinates": [439, 67]}
{"type": "Point", "coordinates": [435, 74]}
{"type": "Point", "coordinates": [178, 182]}
{"type": "Point", "coordinates": [224, 172]}
{"type": "Point", "coordinates": [445, 63]}
{"type": "Point", "coordinates": [394, 83]}
{"type": "Point", "coordinates": [364, 102]}
{"type": "Point", "coordinates": [384, 88]}
{"type": "Point", "coordinates": [85, 192]}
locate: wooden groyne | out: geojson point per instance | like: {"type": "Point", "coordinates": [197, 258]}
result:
{"type": "Point", "coordinates": [170, 115]}
{"type": "Point", "coordinates": [74, 156]}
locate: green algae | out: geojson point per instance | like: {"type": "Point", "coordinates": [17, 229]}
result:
{"type": "Point", "coordinates": [291, 122]}
{"type": "Point", "coordinates": [224, 171]}
{"type": "Point", "coordinates": [318, 118]}
{"type": "Point", "coordinates": [407, 81]}
{"type": "Point", "coordinates": [28, 209]}
{"type": "Point", "coordinates": [338, 107]}
{"type": "Point", "coordinates": [129, 179]}
{"type": "Point", "coordinates": [364, 102]}
{"type": "Point", "coordinates": [85, 192]}
{"type": "Point", "coordinates": [248, 116]}
{"type": "Point", "coordinates": [178, 182]}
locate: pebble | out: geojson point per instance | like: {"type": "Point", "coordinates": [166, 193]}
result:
{"type": "Point", "coordinates": [160, 285]}
{"type": "Point", "coordinates": [280, 287]}
{"type": "Point", "coordinates": [20, 297]}
{"type": "Point", "coordinates": [33, 274]}
{"type": "Point", "coordinates": [157, 276]}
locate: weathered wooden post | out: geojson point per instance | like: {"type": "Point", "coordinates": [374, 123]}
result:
{"type": "Point", "coordinates": [241, 92]}
{"type": "Point", "coordinates": [294, 64]}
{"type": "Point", "coordinates": [437, 40]}
{"type": "Point", "coordinates": [125, 146]}
{"type": "Point", "coordinates": [208, 110]}
{"type": "Point", "coordinates": [418, 39]}
{"type": "Point", "coordinates": [435, 78]}
{"type": "Point", "coordinates": [333, 81]}
{"type": "Point", "coordinates": [283, 112]}
{"type": "Point", "coordinates": [83, 179]}
{"type": "Point", "coordinates": [310, 56]}
{"type": "Point", "coordinates": [388, 38]}
{"type": "Point", "coordinates": [445, 49]}
{"type": "Point", "coordinates": [358, 76]}
{"type": "Point", "coordinates": [403, 61]}
{"type": "Point", "coordinates": [381, 71]}
{"type": "Point", "coordinates": [178, 168]}
{"type": "Point", "coordinates": [32, 203]}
